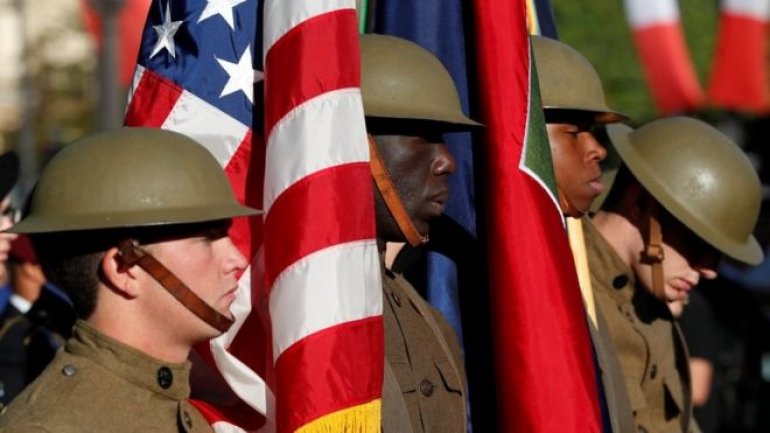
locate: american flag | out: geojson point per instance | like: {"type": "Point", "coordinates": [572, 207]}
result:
{"type": "Point", "coordinates": [291, 138]}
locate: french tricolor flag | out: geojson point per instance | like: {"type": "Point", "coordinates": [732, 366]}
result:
{"type": "Point", "coordinates": [664, 56]}
{"type": "Point", "coordinates": [738, 78]}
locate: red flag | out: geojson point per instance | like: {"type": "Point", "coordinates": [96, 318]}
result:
{"type": "Point", "coordinates": [664, 56]}
{"type": "Point", "coordinates": [739, 72]}
{"type": "Point", "coordinates": [544, 365]}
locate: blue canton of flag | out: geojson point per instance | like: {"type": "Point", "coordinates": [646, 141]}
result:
{"type": "Point", "coordinates": [211, 49]}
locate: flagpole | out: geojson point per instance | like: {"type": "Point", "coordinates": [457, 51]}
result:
{"type": "Point", "coordinates": [578, 246]}
{"type": "Point", "coordinates": [110, 112]}
{"type": "Point", "coordinates": [27, 150]}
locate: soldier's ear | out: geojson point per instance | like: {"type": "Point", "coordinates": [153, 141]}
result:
{"type": "Point", "coordinates": [117, 276]}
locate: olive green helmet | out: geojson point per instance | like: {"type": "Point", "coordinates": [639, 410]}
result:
{"type": "Point", "coordinates": [700, 176]}
{"type": "Point", "coordinates": [130, 177]}
{"type": "Point", "coordinates": [402, 80]}
{"type": "Point", "coordinates": [569, 82]}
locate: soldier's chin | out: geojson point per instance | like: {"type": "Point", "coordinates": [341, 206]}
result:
{"type": "Point", "coordinates": [676, 307]}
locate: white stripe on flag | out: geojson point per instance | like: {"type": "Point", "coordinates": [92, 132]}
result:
{"type": "Point", "coordinates": [757, 9]}
{"type": "Point", "coordinates": [324, 289]}
{"type": "Point", "coordinates": [642, 13]}
{"type": "Point", "coordinates": [244, 382]}
{"type": "Point", "coordinates": [215, 130]}
{"type": "Point", "coordinates": [282, 16]}
{"type": "Point", "coordinates": [314, 136]}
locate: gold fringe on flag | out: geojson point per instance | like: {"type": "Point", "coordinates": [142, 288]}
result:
{"type": "Point", "coordinates": [364, 418]}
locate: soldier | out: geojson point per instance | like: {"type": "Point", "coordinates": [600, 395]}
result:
{"type": "Point", "coordinates": [574, 106]}
{"type": "Point", "coordinates": [685, 195]}
{"type": "Point", "coordinates": [573, 102]}
{"type": "Point", "coordinates": [410, 100]}
{"type": "Point", "coordinates": [132, 224]}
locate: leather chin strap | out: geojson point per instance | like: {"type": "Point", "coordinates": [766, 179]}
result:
{"type": "Point", "coordinates": [390, 195]}
{"type": "Point", "coordinates": [133, 254]}
{"type": "Point", "coordinates": [653, 252]}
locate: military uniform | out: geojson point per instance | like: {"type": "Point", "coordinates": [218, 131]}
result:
{"type": "Point", "coordinates": [96, 384]}
{"type": "Point", "coordinates": [649, 344]}
{"type": "Point", "coordinates": [424, 383]}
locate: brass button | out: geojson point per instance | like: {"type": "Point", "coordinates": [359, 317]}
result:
{"type": "Point", "coordinates": [426, 388]}
{"type": "Point", "coordinates": [620, 281]}
{"type": "Point", "coordinates": [187, 419]}
{"type": "Point", "coordinates": [69, 370]}
{"type": "Point", "coordinates": [165, 377]}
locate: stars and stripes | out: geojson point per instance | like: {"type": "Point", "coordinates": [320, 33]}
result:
{"type": "Point", "coordinates": [321, 259]}
{"type": "Point", "coordinates": [200, 73]}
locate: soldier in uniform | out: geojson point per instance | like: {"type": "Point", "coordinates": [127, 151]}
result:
{"type": "Point", "coordinates": [409, 101]}
{"type": "Point", "coordinates": [574, 105]}
{"type": "Point", "coordinates": [685, 195]}
{"type": "Point", "coordinates": [573, 102]}
{"type": "Point", "coordinates": [132, 224]}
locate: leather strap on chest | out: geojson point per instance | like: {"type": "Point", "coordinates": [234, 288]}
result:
{"type": "Point", "coordinates": [133, 254]}
{"type": "Point", "coordinates": [653, 252]}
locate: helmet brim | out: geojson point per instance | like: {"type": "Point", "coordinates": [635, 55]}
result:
{"type": "Point", "coordinates": [600, 117]}
{"type": "Point", "coordinates": [38, 224]}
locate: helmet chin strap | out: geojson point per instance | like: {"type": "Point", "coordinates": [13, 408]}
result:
{"type": "Point", "coordinates": [653, 252]}
{"type": "Point", "coordinates": [133, 254]}
{"type": "Point", "coordinates": [392, 200]}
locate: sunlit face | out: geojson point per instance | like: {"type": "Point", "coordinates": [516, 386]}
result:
{"type": "Point", "coordinates": [209, 264]}
{"type": "Point", "coordinates": [418, 166]}
{"type": "Point", "coordinates": [576, 162]}
{"type": "Point", "coordinates": [687, 259]}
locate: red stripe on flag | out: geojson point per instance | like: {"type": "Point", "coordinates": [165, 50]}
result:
{"type": "Point", "coordinates": [542, 346]}
{"type": "Point", "coordinates": [668, 70]}
{"type": "Point", "coordinates": [322, 199]}
{"type": "Point", "coordinates": [739, 80]}
{"type": "Point", "coordinates": [312, 389]}
{"type": "Point", "coordinates": [153, 99]}
{"type": "Point", "coordinates": [324, 44]}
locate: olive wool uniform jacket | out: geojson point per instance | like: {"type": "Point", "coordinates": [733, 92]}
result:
{"type": "Point", "coordinates": [649, 344]}
{"type": "Point", "coordinates": [96, 384]}
{"type": "Point", "coordinates": [424, 374]}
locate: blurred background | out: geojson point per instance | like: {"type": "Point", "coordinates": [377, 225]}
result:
{"type": "Point", "coordinates": [66, 66]}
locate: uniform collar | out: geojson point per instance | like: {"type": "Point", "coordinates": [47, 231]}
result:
{"type": "Point", "coordinates": [171, 380]}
